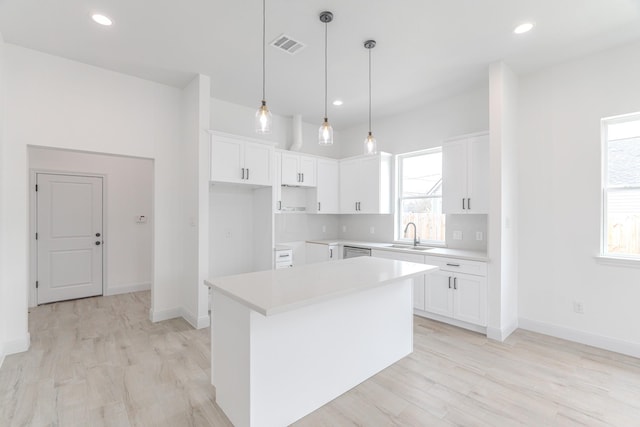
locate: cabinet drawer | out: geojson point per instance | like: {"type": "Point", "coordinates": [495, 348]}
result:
{"type": "Point", "coordinates": [477, 268]}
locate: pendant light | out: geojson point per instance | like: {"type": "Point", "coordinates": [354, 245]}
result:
{"type": "Point", "coordinates": [263, 115]}
{"type": "Point", "coordinates": [370, 145]}
{"type": "Point", "coordinates": [325, 134]}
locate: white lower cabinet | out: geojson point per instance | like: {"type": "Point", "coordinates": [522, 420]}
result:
{"type": "Point", "coordinates": [453, 292]}
{"type": "Point", "coordinates": [320, 252]}
{"type": "Point", "coordinates": [418, 282]}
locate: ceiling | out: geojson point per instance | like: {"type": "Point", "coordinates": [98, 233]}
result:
{"type": "Point", "coordinates": [426, 49]}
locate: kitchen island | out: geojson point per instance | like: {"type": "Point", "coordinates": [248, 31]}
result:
{"type": "Point", "coordinates": [285, 342]}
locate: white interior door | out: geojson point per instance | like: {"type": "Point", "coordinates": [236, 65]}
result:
{"type": "Point", "coordinates": [69, 237]}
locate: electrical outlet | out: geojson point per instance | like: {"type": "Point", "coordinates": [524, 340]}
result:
{"type": "Point", "coordinates": [479, 235]}
{"type": "Point", "coordinates": [372, 230]}
{"type": "Point", "coordinates": [324, 228]}
{"type": "Point", "coordinates": [457, 235]}
{"type": "Point", "coordinates": [578, 307]}
{"type": "Point", "coordinates": [227, 234]}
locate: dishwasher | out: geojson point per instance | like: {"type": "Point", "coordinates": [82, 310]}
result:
{"type": "Point", "coordinates": [354, 251]}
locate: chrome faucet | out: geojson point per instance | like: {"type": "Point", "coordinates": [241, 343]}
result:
{"type": "Point", "coordinates": [415, 233]}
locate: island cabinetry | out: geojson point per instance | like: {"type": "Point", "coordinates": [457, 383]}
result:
{"type": "Point", "coordinates": [365, 184]}
{"type": "Point", "coordinates": [458, 290]}
{"type": "Point", "coordinates": [298, 170]}
{"type": "Point", "coordinates": [418, 281]}
{"type": "Point", "coordinates": [465, 175]}
{"type": "Point", "coordinates": [236, 160]}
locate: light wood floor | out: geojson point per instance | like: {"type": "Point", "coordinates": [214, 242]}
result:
{"type": "Point", "coordinates": [99, 361]}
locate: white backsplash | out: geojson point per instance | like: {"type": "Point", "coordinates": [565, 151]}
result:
{"type": "Point", "coordinates": [469, 225]}
{"type": "Point", "coordinates": [291, 227]}
{"type": "Point", "coordinates": [360, 227]}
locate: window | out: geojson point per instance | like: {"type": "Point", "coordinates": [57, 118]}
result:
{"type": "Point", "coordinates": [621, 186]}
{"type": "Point", "coordinates": [420, 195]}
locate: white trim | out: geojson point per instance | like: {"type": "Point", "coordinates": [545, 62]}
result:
{"type": "Point", "coordinates": [501, 334]}
{"type": "Point", "coordinates": [198, 323]}
{"type": "Point", "coordinates": [618, 261]}
{"type": "Point", "coordinates": [450, 321]}
{"type": "Point", "coordinates": [594, 340]}
{"type": "Point", "coordinates": [125, 289]}
{"type": "Point", "coordinates": [1, 355]}
{"type": "Point", "coordinates": [17, 346]}
{"type": "Point", "coordinates": [160, 315]}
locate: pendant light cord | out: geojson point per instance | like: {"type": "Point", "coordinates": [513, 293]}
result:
{"type": "Point", "coordinates": [264, 24]}
{"type": "Point", "coordinates": [325, 70]}
{"type": "Point", "coordinates": [369, 90]}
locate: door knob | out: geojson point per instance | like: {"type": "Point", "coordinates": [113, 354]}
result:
{"type": "Point", "coordinates": [98, 243]}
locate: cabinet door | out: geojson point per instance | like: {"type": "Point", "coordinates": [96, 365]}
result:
{"type": "Point", "coordinates": [454, 176]}
{"type": "Point", "coordinates": [438, 296]}
{"type": "Point", "coordinates": [369, 185]}
{"type": "Point", "coordinates": [289, 169]}
{"type": "Point", "coordinates": [307, 168]}
{"type": "Point", "coordinates": [349, 179]}
{"type": "Point", "coordinates": [277, 184]}
{"type": "Point", "coordinates": [258, 160]}
{"type": "Point", "coordinates": [478, 175]}
{"type": "Point", "coordinates": [226, 159]}
{"type": "Point", "coordinates": [328, 186]}
{"type": "Point", "coordinates": [470, 299]}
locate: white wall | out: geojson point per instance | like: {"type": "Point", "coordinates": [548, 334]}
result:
{"type": "Point", "coordinates": [503, 211]}
{"type": "Point", "coordinates": [128, 191]}
{"type": "Point", "coordinates": [559, 205]}
{"type": "Point", "coordinates": [195, 223]}
{"type": "Point", "coordinates": [238, 120]}
{"type": "Point", "coordinates": [55, 102]}
{"type": "Point", "coordinates": [3, 279]}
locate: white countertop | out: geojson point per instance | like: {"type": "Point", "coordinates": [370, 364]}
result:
{"type": "Point", "coordinates": [276, 291]}
{"type": "Point", "coordinates": [436, 251]}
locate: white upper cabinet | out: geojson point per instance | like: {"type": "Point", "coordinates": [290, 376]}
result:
{"type": "Point", "coordinates": [236, 160]}
{"type": "Point", "coordinates": [465, 175]}
{"type": "Point", "coordinates": [365, 184]}
{"type": "Point", "coordinates": [298, 170]}
{"type": "Point", "coordinates": [327, 187]}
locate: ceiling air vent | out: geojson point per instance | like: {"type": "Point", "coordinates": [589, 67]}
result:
{"type": "Point", "coordinates": [287, 44]}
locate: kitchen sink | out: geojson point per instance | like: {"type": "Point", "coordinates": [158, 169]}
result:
{"type": "Point", "coordinates": [413, 248]}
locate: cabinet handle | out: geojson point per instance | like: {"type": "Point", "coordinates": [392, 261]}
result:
{"type": "Point", "coordinates": [356, 205]}
{"type": "Point", "coordinates": [453, 265]}
{"type": "Point", "coordinates": [330, 253]}
{"type": "Point", "coordinates": [455, 283]}
{"type": "Point", "coordinates": [469, 203]}
{"type": "Point", "coordinates": [242, 173]}
{"type": "Point", "coordinates": [302, 177]}
{"type": "Point", "coordinates": [247, 173]}
{"type": "Point", "coordinates": [318, 206]}
{"type": "Point", "coordinates": [279, 205]}
{"type": "Point", "coordinates": [283, 256]}
{"type": "Point", "coordinates": [463, 208]}
{"type": "Point", "coordinates": [449, 282]}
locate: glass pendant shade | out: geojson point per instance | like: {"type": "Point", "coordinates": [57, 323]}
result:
{"type": "Point", "coordinates": [370, 145]}
{"type": "Point", "coordinates": [263, 119]}
{"type": "Point", "coordinates": [325, 134]}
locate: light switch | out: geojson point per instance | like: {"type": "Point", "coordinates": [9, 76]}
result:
{"type": "Point", "coordinates": [141, 219]}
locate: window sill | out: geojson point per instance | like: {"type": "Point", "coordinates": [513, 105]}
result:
{"type": "Point", "coordinates": [618, 261]}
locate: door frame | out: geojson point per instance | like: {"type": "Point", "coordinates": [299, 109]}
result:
{"type": "Point", "coordinates": [33, 249]}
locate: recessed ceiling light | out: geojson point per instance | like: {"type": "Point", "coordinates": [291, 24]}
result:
{"type": "Point", "coordinates": [523, 28]}
{"type": "Point", "coordinates": [337, 103]}
{"type": "Point", "coordinates": [101, 19]}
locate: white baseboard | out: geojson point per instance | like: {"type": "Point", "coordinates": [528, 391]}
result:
{"type": "Point", "coordinates": [501, 334]}
{"type": "Point", "coordinates": [174, 313]}
{"type": "Point", "coordinates": [160, 315]}
{"type": "Point", "coordinates": [136, 287]}
{"type": "Point", "coordinates": [594, 340]}
{"type": "Point", "coordinates": [15, 346]}
{"type": "Point", "coordinates": [450, 321]}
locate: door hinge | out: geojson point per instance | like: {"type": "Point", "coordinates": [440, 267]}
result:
{"type": "Point", "coordinates": [36, 284]}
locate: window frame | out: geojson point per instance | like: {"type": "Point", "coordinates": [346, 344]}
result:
{"type": "Point", "coordinates": [606, 189]}
{"type": "Point", "coordinates": [399, 235]}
